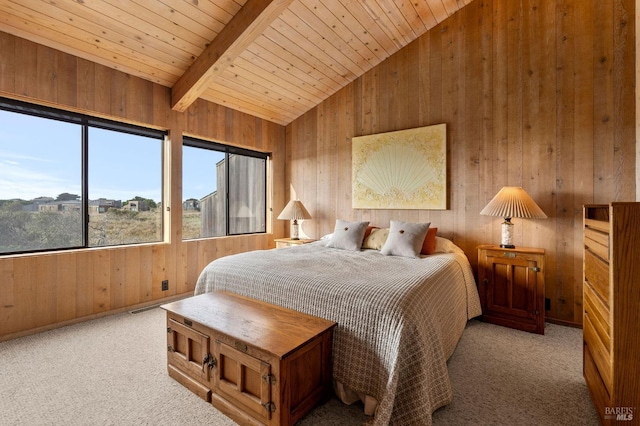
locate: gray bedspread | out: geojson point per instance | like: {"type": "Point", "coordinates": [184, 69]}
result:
{"type": "Point", "coordinates": [399, 319]}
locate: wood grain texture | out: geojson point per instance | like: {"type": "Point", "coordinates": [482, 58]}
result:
{"type": "Point", "coordinates": [251, 20]}
{"type": "Point", "coordinates": [249, 341]}
{"type": "Point", "coordinates": [274, 59]}
{"type": "Point", "coordinates": [528, 91]}
{"type": "Point", "coordinates": [73, 285]}
{"type": "Point", "coordinates": [611, 316]}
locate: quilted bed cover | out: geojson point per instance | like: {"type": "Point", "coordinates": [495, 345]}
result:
{"type": "Point", "coordinates": [399, 319]}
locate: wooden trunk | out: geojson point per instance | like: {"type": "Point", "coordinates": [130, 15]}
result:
{"type": "Point", "coordinates": [258, 363]}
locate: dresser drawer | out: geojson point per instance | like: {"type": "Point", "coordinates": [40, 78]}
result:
{"type": "Point", "coordinates": [511, 256]}
{"type": "Point", "coordinates": [599, 393]}
{"type": "Point", "coordinates": [596, 273]}
{"type": "Point", "coordinates": [597, 242]}
{"type": "Point", "coordinates": [598, 352]}
{"type": "Point", "coordinates": [599, 315]}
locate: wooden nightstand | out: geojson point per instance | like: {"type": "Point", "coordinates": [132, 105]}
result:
{"type": "Point", "coordinates": [511, 287]}
{"type": "Point", "coordinates": [288, 242]}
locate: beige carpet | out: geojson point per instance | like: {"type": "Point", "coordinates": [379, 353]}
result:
{"type": "Point", "coordinates": [112, 371]}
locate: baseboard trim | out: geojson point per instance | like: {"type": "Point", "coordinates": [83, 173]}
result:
{"type": "Point", "coordinates": [565, 323]}
{"type": "Point", "coordinates": [139, 307]}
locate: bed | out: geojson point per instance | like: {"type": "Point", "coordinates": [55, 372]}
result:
{"type": "Point", "coordinates": [399, 318]}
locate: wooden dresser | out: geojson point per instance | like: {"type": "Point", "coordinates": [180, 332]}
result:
{"type": "Point", "coordinates": [611, 299]}
{"type": "Point", "coordinates": [260, 364]}
{"type": "Point", "coordinates": [511, 286]}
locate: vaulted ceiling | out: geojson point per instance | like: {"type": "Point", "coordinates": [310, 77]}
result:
{"type": "Point", "coordinates": [274, 59]}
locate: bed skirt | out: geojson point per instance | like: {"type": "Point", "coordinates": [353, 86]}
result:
{"type": "Point", "coordinates": [349, 396]}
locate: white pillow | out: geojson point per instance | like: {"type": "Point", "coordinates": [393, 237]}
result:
{"type": "Point", "coordinates": [348, 235]}
{"type": "Point", "coordinates": [405, 239]}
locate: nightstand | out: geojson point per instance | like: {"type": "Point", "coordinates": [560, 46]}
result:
{"type": "Point", "coordinates": [511, 287]}
{"type": "Point", "coordinates": [288, 242]}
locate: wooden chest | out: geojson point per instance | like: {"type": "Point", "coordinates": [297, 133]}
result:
{"type": "Point", "coordinates": [260, 364]}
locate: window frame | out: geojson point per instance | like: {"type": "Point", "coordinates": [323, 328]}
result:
{"type": "Point", "coordinates": [228, 150]}
{"type": "Point", "coordinates": [85, 122]}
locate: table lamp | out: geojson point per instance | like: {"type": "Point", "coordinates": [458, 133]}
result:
{"type": "Point", "coordinates": [512, 201]}
{"type": "Point", "coordinates": [294, 211]}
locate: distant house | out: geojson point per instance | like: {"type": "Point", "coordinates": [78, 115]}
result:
{"type": "Point", "coordinates": [61, 206]}
{"type": "Point", "coordinates": [95, 206]}
{"type": "Point", "coordinates": [191, 204]}
{"type": "Point", "coordinates": [136, 206]}
{"type": "Point", "coordinates": [101, 205]}
{"type": "Point", "coordinates": [35, 204]}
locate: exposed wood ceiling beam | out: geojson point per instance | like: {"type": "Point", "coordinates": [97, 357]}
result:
{"type": "Point", "coordinates": [254, 17]}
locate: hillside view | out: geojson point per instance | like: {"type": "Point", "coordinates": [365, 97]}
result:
{"type": "Point", "coordinates": [46, 223]}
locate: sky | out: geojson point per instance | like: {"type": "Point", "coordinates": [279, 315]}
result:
{"type": "Point", "coordinates": [41, 157]}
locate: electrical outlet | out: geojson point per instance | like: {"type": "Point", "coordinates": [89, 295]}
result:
{"type": "Point", "coordinates": [165, 285]}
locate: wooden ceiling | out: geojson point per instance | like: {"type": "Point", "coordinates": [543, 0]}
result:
{"type": "Point", "coordinates": [274, 59]}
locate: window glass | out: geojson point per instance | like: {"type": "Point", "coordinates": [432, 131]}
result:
{"type": "Point", "coordinates": [247, 202]}
{"type": "Point", "coordinates": [203, 208]}
{"type": "Point", "coordinates": [40, 183]}
{"type": "Point", "coordinates": [70, 181]}
{"type": "Point", "coordinates": [125, 187]}
{"type": "Point", "coordinates": [224, 190]}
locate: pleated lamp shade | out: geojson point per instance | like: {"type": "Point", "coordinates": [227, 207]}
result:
{"type": "Point", "coordinates": [294, 211]}
{"type": "Point", "coordinates": [512, 201]}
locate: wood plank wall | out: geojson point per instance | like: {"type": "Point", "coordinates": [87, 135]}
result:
{"type": "Point", "coordinates": [43, 291]}
{"type": "Point", "coordinates": [535, 93]}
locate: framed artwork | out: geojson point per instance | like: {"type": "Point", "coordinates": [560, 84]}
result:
{"type": "Point", "coordinates": [406, 169]}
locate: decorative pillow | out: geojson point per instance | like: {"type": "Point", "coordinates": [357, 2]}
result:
{"type": "Point", "coordinates": [326, 237]}
{"type": "Point", "coordinates": [376, 239]}
{"type": "Point", "coordinates": [444, 245]}
{"type": "Point", "coordinates": [405, 239]}
{"type": "Point", "coordinates": [368, 231]}
{"type": "Point", "coordinates": [348, 235]}
{"type": "Point", "coordinates": [429, 244]}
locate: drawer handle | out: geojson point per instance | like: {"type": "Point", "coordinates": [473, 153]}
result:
{"type": "Point", "coordinates": [210, 361]}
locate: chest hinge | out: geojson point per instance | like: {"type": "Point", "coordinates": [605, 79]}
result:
{"type": "Point", "coordinates": [269, 406]}
{"type": "Point", "coordinates": [269, 378]}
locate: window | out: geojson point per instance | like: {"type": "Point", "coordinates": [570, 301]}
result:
{"type": "Point", "coordinates": [224, 190]}
{"type": "Point", "coordinates": [70, 181]}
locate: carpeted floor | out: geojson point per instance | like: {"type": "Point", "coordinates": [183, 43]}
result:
{"type": "Point", "coordinates": [112, 371]}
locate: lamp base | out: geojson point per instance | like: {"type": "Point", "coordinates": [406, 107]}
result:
{"type": "Point", "coordinates": [294, 230]}
{"type": "Point", "coordinates": [507, 234]}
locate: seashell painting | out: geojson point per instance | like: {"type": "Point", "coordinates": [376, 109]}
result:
{"type": "Point", "coordinates": [405, 169]}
